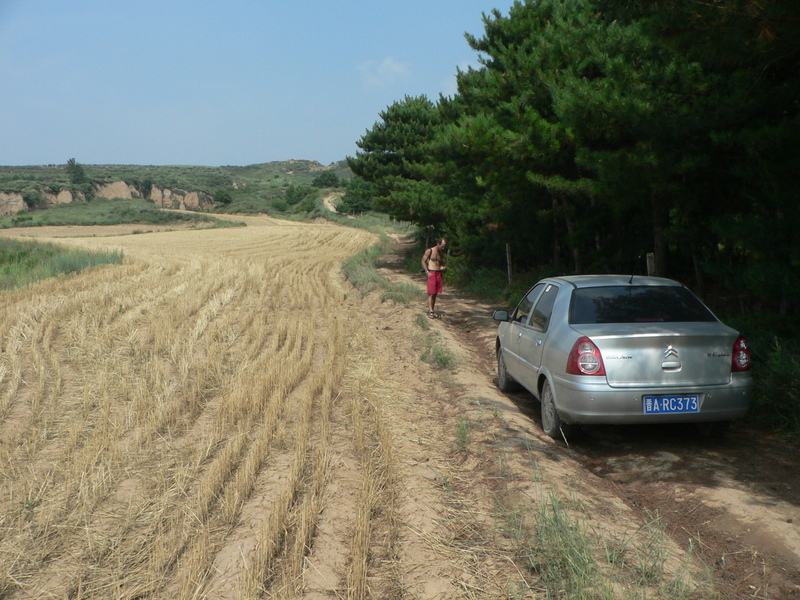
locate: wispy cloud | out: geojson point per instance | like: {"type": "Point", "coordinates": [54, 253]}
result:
{"type": "Point", "coordinates": [381, 74]}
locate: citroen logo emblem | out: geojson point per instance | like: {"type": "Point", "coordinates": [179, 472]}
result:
{"type": "Point", "coordinates": [670, 352]}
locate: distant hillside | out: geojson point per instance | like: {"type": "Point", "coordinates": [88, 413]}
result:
{"type": "Point", "coordinates": [269, 187]}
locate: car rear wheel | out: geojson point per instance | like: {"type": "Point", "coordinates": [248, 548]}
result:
{"type": "Point", "coordinates": [504, 381]}
{"type": "Point", "coordinates": [551, 422]}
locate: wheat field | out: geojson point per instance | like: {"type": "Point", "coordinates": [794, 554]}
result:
{"type": "Point", "coordinates": [179, 426]}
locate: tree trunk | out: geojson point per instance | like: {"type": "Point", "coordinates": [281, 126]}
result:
{"type": "Point", "coordinates": [576, 263]}
{"type": "Point", "coordinates": [660, 220]}
{"type": "Point", "coordinates": [698, 272]}
{"type": "Point", "coordinates": [556, 243]}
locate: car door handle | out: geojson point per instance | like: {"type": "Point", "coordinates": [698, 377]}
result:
{"type": "Point", "coordinates": [519, 335]}
{"type": "Point", "coordinates": [538, 342]}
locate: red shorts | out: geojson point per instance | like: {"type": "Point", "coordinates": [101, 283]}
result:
{"type": "Point", "coordinates": [434, 282]}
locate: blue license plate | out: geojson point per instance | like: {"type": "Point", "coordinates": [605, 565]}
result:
{"type": "Point", "coordinates": [674, 404]}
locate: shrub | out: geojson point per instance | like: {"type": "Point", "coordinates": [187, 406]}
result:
{"type": "Point", "coordinates": [308, 204]}
{"type": "Point", "coordinates": [222, 197]}
{"type": "Point", "coordinates": [295, 193]}
{"type": "Point", "coordinates": [358, 197]}
{"type": "Point", "coordinates": [280, 204]}
{"type": "Point", "coordinates": [327, 179]}
{"type": "Point", "coordinates": [777, 384]}
{"type": "Point", "coordinates": [33, 199]}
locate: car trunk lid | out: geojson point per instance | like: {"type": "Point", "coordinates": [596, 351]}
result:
{"type": "Point", "coordinates": [664, 355]}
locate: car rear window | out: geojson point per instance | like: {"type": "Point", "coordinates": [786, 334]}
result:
{"type": "Point", "coordinates": [636, 304]}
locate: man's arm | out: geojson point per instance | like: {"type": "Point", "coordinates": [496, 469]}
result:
{"type": "Point", "coordinates": [425, 259]}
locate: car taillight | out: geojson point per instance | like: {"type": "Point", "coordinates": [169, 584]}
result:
{"type": "Point", "coordinates": [585, 359]}
{"type": "Point", "coordinates": [741, 356]}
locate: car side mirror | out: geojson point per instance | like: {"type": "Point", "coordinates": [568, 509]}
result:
{"type": "Point", "coordinates": [500, 315]}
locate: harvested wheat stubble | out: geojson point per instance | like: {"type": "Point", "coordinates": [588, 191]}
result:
{"type": "Point", "coordinates": [143, 404]}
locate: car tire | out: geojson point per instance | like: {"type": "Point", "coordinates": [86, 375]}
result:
{"type": "Point", "coordinates": [551, 422]}
{"type": "Point", "coordinates": [505, 382]}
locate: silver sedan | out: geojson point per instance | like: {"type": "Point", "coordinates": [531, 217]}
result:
{"type": "Point", "coordinates": [621, 349]}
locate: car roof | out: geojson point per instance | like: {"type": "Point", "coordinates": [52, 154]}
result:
{"type": "Point", "coordinates": [586, 281]}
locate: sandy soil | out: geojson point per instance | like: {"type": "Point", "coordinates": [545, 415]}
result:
{"type": "Point", "coordinates": [330, 201]}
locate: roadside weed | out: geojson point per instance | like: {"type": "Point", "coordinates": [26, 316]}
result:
{"type": "Point", "coordinates": [563, 558]}
{"type": "Point", "coordinates": [535, 470]}
{"type": "Point", "coordinates": [571, 559]}
{"type": "Point", "coordinates": [651, 554]}
{"type": "Point", "coordinates": [440, 357]}
{"type": "Point", "coordinates": [462, 433]}
{"type": "Point", "coordinates": [402, 293]}
{"type": "Point", "coordinates": [361, 270]}
{"type": "Point", "coordinates": [679, 588]}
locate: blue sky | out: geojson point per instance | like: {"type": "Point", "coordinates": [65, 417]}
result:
{"type": "Point", "coordinates": [238, 82]}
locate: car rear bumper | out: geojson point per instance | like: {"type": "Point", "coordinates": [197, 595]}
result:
{"type": "Point", "coordinates": [586, 401]}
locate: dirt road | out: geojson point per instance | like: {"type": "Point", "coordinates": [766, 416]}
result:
{"type": "Point", "coordinates": [737, 499]}
{"type": "Point", "coordinates": [224, 416]}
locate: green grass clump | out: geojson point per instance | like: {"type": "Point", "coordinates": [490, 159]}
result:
{"type": "Point", "coordinates": [23, 262]}
{"type": "Point", "coordinates": [562, 552]}
{"type": "Point", "coordinates": [463, 433]}
{"type": "Point", "coordinates": [372, 221]}
{"type": "Point", "coordinates": [568, 558]}
{"type": "Point", "coordinates": [361, 271]}
{"type": "Point", "coordinates": [439, 356]}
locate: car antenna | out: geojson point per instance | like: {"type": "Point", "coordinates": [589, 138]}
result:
{"type": "Point", "coordinates": [636, 262]}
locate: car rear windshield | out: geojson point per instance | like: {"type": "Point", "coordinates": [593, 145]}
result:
{"type": "Point", "coordinates": [636, 304]}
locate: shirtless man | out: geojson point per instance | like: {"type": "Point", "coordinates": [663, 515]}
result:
{"type": "Point", "coordinates": [433, 264]}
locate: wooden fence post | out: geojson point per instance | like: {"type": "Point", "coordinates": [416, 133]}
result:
{"type": "Point", "coordinates": [508, 262]}
{"type": "Point", "coordinates": [651, 263]}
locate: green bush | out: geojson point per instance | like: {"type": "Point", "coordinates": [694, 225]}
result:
{"type": "Point", "coordinates": [777, 388]}
{"type": "Point", "coordinates": [76, 172]}
{"type": "Point", "coordinates": [33, 199]}
{"type": "Point", "coordinates": [295, 193]}
{"type": "Point", "coordinates": [308, 204]}
{"type": "Point", "coordinates": [358, 197]}
{"type": "Point", "coordinates": [222, 197]}
{"type": "Point", "coordinates": [327, 179]}
{"type": "Point", "coordinates": [280, 205]}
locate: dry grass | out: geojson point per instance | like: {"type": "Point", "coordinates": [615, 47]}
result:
{"type": "Point", "coordinates": [376, 520]}
{"type": "Point", "coordinates": [144, 407]}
